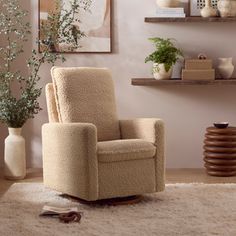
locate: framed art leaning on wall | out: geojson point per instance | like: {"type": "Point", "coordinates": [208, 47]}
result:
{"type": "Point", "coordinates": [76, 26]}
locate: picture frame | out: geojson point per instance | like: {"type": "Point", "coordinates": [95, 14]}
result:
{"type": "Point", "coordinates": [96, 25]}
{"type": "Point", "coordinates": [195, 6]}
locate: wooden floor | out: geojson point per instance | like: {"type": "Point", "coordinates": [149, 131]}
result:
{"type": "Point", "coordinates": [195, 176]}
{"type": "Point", "coordinates": [172, 176]}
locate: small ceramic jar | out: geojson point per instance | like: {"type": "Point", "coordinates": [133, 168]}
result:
{"type": "Point", "coordinates": [227, 8]}
{"type": "Point", "coordinates": [226, 67]}
{"type": "Point", "coordinates": [160, 73]}
{"type": "Point", "coordinates": [208, 10]}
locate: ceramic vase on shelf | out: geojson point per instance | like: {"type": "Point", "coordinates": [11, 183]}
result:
{"type": "Point", "coordinates": [167, 3]}
{"type": "Point", "coordinates": [14, 155]}
{"type": "Point", "coordinates": [226, 67]}
{"type": "Point", "coordinates": [227, 8]}
{"type": "Point", "coordinates": [208, 10]}
{"type": "Point", "coordinates": [160, 73]}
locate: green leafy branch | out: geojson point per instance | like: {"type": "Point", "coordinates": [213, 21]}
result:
{"type": "Point", "coordinates": [19, 93]}
{"type": "Point", "coordinates": [61, 25]}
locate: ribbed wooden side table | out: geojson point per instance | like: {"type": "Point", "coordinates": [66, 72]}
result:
{"type": "Point", "coordinates": [220, 151]}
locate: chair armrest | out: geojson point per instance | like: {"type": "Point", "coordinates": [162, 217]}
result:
{"type": "Point", "coordinates": [69, 159]}
{"type": "Point", "coordinates": [152, 130]}
{"type": "Point", "coordinates": [149, 129]}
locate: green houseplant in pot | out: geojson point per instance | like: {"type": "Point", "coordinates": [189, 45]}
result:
{"type": "Point", "coordinates": [19, 91]}
{"type": "Point", "coordinates": [163, 58]}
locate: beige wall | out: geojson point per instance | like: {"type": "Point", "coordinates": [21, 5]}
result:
{"type": "Point", "coordinates": [186, 110]}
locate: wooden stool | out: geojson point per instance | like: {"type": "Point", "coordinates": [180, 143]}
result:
{"type": "Point", "coordinates": [220, 151]}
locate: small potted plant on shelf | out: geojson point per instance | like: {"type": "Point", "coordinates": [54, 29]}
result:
{"type": "Point", "coordinates": [163, 58]}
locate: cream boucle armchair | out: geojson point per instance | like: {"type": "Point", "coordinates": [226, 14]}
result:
{"type": "Point", "coordinates": [87, 152]}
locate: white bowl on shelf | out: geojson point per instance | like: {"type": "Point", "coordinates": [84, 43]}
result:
{"type": "Point", "coordinates": [167, 3]}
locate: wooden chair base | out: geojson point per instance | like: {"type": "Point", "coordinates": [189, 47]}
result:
{"type": "Point", "coordinates": [111, 202]}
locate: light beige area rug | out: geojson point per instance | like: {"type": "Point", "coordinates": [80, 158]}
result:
{"type": "Point", "coordinates": [183, 209]}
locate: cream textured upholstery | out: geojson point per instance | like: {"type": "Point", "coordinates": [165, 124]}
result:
{"type": "Point", "coordinates": [151, 130]}
{"type": "Point", "coordinates": [124, 150]}
{"type": "Point", "coordinates": [90, 154]}
{"type": "Point", "coordinates": [86, 95]}
{"type": "Point", "coordinates": [51, 104]}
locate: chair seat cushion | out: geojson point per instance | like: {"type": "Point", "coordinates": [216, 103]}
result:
{"type": "Point", "coordinates": [125, 150]}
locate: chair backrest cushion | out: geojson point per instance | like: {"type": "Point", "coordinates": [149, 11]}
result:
{"type": "Point", "coordinates": [87, 95]}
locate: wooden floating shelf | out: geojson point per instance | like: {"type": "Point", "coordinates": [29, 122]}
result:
{"type": "Point", "coordinates": [189, 19]}
{"type": "Point", "coordinates": [154, 82]}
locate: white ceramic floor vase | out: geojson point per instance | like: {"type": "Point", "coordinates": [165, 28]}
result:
{"type": "Point", "coordinates": [226, 67]}
{"type": "Point", "coordinates": [14, 156]}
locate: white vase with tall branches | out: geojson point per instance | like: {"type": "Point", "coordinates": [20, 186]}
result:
{"type": "Point", "coordinates": [19, 93]}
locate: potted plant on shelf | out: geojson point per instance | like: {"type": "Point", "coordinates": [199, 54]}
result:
{"type": "Point", "coordinates": [163, 58]}
{"type": "Point", "coordinates": [19, 93]}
